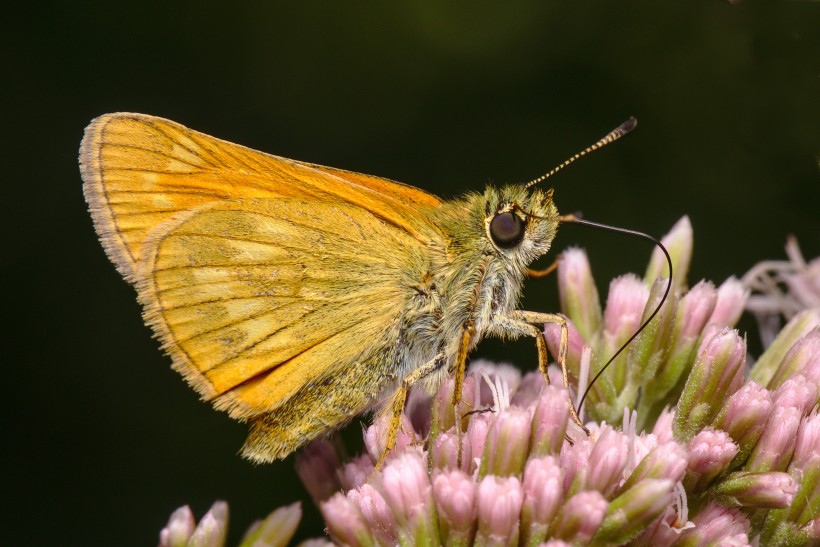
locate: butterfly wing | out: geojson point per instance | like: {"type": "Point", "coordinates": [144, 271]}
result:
{"type": "Point", "coordinates": [256, 300]}
{"type": "Point", "coordinates": [276, 286]}
{"type": "Point", "coordinates": [141, 171]}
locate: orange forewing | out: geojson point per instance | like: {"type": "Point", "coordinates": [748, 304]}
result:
{"type": "Point", "coordinates": [251, 268]}
{"type": "Point", "coordinates": [141, 171]}
{"type": "Point", "coordinates": [255, 299]}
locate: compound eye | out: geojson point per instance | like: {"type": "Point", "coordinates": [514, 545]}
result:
{"type": "Point", "coordinates": [507, 230]}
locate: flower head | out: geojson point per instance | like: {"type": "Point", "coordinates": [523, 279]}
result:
{"type": "Point", "coordinates": [681, 446]}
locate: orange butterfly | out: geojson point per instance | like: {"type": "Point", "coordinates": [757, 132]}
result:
{"type": "Point", "coordinates": [296, 296]}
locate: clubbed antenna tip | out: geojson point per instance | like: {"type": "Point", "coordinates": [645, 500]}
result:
{"type": "Point", "coordinates": [612, 136]}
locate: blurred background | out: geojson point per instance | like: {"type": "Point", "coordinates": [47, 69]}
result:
{"type": "Point", "coordinates": [103, 440]}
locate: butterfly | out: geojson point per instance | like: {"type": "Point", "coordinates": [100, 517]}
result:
{"type": "Point", "coordinates": [295, 296]}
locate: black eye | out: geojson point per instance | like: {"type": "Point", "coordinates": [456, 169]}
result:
{"type": "Point", "coordinates": [507, 230]}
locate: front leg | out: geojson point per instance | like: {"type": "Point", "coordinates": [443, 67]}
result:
{"type": "Point", "coordinates": [523, 323]}
{"type": "Point", "coordinates": [395, 406]}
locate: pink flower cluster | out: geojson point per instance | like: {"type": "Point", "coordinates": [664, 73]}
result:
{"type": "Point", "coordinates": [688, 445]}
{"type": "Point", "coordinates": [725, 455]}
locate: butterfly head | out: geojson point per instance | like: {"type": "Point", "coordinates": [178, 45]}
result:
{"type": "Point", "coordinates": [520, 223]}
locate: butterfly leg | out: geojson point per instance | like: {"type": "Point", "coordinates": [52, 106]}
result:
{"type": "Point", "coordinates": [538, 274]}
{"type": "Point", "coordinates": [467, 334]}
{"type": "Point", "coordinates": [396, 404]}
{"type": "Point", "coordinates": [524, 323]}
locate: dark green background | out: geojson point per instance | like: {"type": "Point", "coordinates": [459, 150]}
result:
{"type": "Point", "coordinates": [102, 440]}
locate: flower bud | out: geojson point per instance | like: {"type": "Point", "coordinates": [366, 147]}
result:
{"type": "Point", "coordinates": [549, 421]}
{"type": "Point", "coordinates": [743, 417]}
{"type": "Point", "coordinates": [455, 496]}
{"type": "Point", "coordinates": [405, 486]}
{"type": "Point", "coordinates": [607, 461]}
{"type": "Point", "coordinates": [710, 453]}
{"type": "Point", "coordinates": [316, 465]}
{"type": "Point", "coordinates": [803, 358]}
{"type": "Point", "coordinates": [692, 313]}
{"type": "Point", "coordinates": [212, 528]}
{"type": "Point", "coordinates": [543, 488]}
{"type": "Point", "coordinates": [716, 374]}
{"type": "Point", "coordinates": [776, 445]}
{"type": "Point", "coordinates": [717, 525]}
{"type": "Point", "coordinates": [345, 522]}
{"type": "Point", "coordinates": [679, 244]}
{"type": "Point", "coordinates": [355, 472]}
{"type": "Point", "coordinates": [772, 490]}
{"type": "Point", "coordinates": [376, 513]}
{"type": "Point", "coordinates": [444, 452]}
{"type": "Point", "coordinates": [579, 296]}
{"type": "Point", "coordinates": [579, 517]}
{"type": "Point", "coordinates": [499, 507]}
{"type": "Point", "coordinates": [731, 298]}
{"type": "Point", "coordinates": [375, 436]}
{"type": "Point", "coordinates": [807, 446]}
{"type": "Point", "coordinates": [666, 461]}
{"type": "Point", "coordinates": [507, 443]}
{"type": "Point", "coordinates": [179, 528]}
{"type": "Point", "coordinates": [634, 509]}
{"type": "Point", "coordinates": [277, 529]}
{"type": "Point", "coordinates": [768, 363]}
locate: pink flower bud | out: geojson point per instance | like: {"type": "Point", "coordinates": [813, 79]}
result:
{"type": "Point", "coordinates": [405, 486]}
{"type": "Point", "coordinates": [444, 452]}
{"type": "Point", "coordinates": [666, 461]}
{"type": "Point", "coordinates": [375, 436]}
{"type": "Point", "coordinates": [634, 509]}
{"type": "Point", "coordinates": [475, 439]}
{"type": "Point", "coordinates": [807, 446]}
{"type": "Point", "coordinates": [716, 374]}
{"type": "Point", "coordinates": [607, 461]}
{"type": "Point", "coordinates": [710, 453]}
{"type": "Point", "coordinates": [774, 490]}
{"type": "Point", "coordinates": [663, 426]}
{"type": "Point", "coordinates": [543, 489]}
{"type": "Point", "coordinates": [455, 496]}
{"type": "Point", "coordinates": [578, 293]}
{"type": "Point", "coordinates": [776, 445]}
{"type": "Point", "coordinates": [442, 411]}
{"type": "Point", "coordinates": [796, 392]}
{"type": "Point", "coordinates": [499, 507]}
{"type": "Point", "coordinates": [419, 411]}
{"type": "Point", "coordinates": [679, 244]}
{"type": "Point", "coordinates": [695, 309]}
{"type": "Point", "coordinates": [575, 344]}
{"type": "Point", "coordinates": [731, 298]}
{"type": "Point", "coordinates": [277, 529]}
{"type": "Point", "coordinates": [179, 529]}
{"type": "Point", "coordinates": [768, 363]}
{"type": "Point", "coordinates": [549, 421]}
{"type": "Point", "coordinates": [375, 511]}
{"type": "Point", "coordinates": [507, 443]}
{"type": "Point", "coordinates": [574, 459]}
{"type": "Point", "coordinates": [716, 525]}
{"type": "Point", "coordinates": [625, 305]}
{"type": "Point", "coordinates": [345, 522]}
{"type": "Point", "coordinates": [213, 527]}
{"type": "Point", "coordinates": [803, 358]}
{"type": "Point", "coordinates": [744, 416]}
{"type": "Point", "coordinates": [355, 472]}
{"type": "Point", "coordinates": [579, 517]}
{"type": "Point", "coordinates": [316, 465]}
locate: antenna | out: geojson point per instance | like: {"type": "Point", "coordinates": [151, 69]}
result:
{"type": "Point", "coordinates": [576, 220]}
{"type": "Point", "coordinates": [612, 136]}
